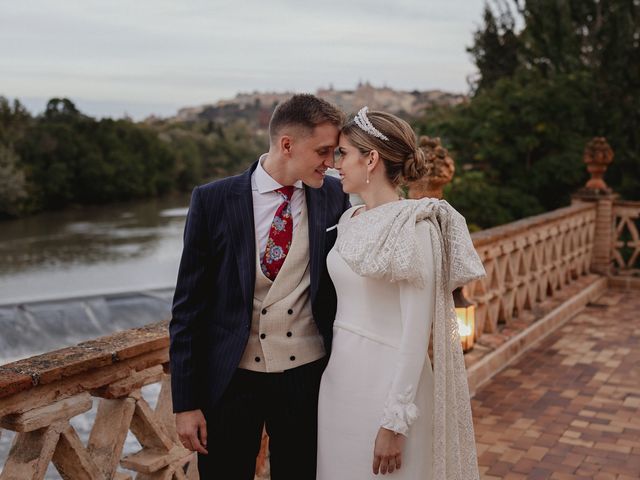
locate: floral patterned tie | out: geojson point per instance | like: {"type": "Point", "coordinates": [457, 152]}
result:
{"type": "Point", "coordinates": [280, 235]}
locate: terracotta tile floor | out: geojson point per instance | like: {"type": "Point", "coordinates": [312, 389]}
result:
{"type": "Point", "coordinates": [570, 408]}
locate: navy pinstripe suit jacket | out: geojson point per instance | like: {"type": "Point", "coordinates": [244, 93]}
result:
{"type": "Point", "coordinates": [213, 301]}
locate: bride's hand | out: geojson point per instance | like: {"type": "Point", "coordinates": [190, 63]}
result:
{"type": "Point", "coordinates": [387, 452]}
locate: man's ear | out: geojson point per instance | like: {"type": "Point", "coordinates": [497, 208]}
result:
{"type": "Point", "coordinates": [285, 143]}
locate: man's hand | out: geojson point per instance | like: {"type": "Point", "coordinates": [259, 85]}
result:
{"type": "Point", "coordinates": [387, 452]}
{"type": "Point", "coordinates": [192, 430]}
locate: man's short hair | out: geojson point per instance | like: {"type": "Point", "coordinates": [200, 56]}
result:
{"type": "Point", "coordinates": [306, 111]}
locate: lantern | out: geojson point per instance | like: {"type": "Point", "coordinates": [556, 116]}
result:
{"type": "Point", "coordinates": [466, 313]}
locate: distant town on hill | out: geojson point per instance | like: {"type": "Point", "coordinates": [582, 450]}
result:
{"type": "Point", "coordinates": [256, 107]}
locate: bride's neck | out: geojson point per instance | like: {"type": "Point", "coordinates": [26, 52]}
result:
{"type": "Point", "coordinates": [376, 195]}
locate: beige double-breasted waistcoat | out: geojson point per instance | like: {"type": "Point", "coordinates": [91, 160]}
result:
{"type": "Point", "coordinates": [283, 333]}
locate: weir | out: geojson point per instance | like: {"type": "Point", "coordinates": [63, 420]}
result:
{"type": "Point", "coordinates": [30, 327]}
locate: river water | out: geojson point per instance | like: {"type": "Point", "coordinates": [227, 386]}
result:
{"type": "Point", "coordinates": [92, 250]}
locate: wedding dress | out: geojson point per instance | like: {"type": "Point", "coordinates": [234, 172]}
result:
{"type": "Point", "coordinates": [394, 268]}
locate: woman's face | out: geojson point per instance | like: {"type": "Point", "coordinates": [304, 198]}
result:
{"type": "Point", "coordinates": [352, 166]}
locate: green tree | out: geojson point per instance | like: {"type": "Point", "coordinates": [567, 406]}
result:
{"type": "Point", "coordinates": [14, 121]}
{"type": "Point", "coordinates": [495, 46]}
{"type": "Point", "coordinates": [571, 72]}
{"type": "Point", "coordinates": [72, 158]}
{"type": "Point", "coordinates": [485, 204]}
{"type": "Point", "coordinates": [594, 43]}
{"type": "Point", "coordinates": [61, 107]}
{"type": "Point", "coordinates": [12, 183]}
{"type": "Point", "coordinates": [208, 150]}
{"type": "Point", "coordinates": [64, 157]}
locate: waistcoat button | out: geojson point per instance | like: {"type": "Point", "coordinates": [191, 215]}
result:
{"type": "Point", "coordinates": [289, 334]}
{"type": "Point", "coordinates": [262, 335]}
{"type": "Point", "coordinates": [290, 312]}
{"type": "Point", "coordinates": [264, 311]}
{"type": "Point", "coordinates": [292, 358]}
{"type": "Point", "coordinates": [257, 359]}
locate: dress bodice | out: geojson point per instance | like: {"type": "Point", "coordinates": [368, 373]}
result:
{"type": "Point", "coordinates": [367, 306]}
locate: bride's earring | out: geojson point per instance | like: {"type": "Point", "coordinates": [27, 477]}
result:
{"type": "Point", "coordinates": [367, 176]}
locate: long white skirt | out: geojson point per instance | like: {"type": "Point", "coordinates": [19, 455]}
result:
{"type": "Point", "coordinates": [353, 393]}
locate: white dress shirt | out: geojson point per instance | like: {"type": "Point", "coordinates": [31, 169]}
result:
{"type": "Point", "coordinates": [266, 201]}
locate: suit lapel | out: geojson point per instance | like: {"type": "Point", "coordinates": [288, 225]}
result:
{"type": "Point", "coordinates": [316, 210]}
{"type": "Point", "coordinates": [239, 217]}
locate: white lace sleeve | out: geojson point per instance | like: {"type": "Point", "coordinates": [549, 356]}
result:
{"type": "Point", "coordinates": [417, 309]}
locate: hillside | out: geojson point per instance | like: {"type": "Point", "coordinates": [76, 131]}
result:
{"type": "Point", "coordinates": [256, 107]}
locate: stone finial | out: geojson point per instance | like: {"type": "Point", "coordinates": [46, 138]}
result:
{"type": "Point", "coordinates": [597, 155]}
{"type": "Point", "coordinates": [440, 170]}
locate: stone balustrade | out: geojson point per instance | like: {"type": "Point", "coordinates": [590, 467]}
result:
{"type": "Point", "coordinates": [39, 395]}
{"type": "Point", "coordinates": [626, 245]}
{"type": "Point", "coordinates": [528, 260]}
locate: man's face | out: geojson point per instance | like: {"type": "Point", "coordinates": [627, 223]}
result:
{"type": "Point", "coordinates": [312, 154]}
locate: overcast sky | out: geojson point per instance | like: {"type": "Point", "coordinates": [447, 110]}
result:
{"type": "Point", "coordinates": [154, 56]}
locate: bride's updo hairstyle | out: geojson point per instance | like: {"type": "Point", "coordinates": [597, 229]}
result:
{"type": "Point", "coordinates": [403, 160]}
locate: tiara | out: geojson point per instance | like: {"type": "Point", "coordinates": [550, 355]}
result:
{"type": "Point", "coordinates": [365, 124]}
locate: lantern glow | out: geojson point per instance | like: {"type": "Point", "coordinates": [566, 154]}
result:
{"type": "Point", "coordinates": [465, 311]}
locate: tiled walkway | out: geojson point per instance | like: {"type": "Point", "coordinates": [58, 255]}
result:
{"type": "Point", "coordinates": [569, 408]}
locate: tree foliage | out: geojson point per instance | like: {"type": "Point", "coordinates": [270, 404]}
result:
{"type": "Point", "coordinates": [12, 183]}
{"type": "Point", "coordinates": [495, 47]}
{"type": "Point", "coordinates": [64, 157]}
{"type": "Point", "coordinates": [569, 73]}
{"type": "Point", "coordinates": [207, 150]}
{"type": "Point", "coordinates": [72, 158]}
{"type": "Point", "coordinates": [14, 120]}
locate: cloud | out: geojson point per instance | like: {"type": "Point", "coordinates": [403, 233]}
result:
{"type": "Point", "coordinates": [197, 51]}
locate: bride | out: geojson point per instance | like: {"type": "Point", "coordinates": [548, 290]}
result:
{"type": "Point", "coordinates": [383, 407]}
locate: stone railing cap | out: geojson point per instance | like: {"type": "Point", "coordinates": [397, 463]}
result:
{"type": "Point", "coordinates": [52, 366]}
{"type": "Point", "coordinates": [495, 234]}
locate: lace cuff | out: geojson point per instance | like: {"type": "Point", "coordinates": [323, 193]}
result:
{"type": "Point", "coordinates": [400, 412]}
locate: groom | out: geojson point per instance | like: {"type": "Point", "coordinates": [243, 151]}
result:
{"type": "Point", "coordinates": [254, 305]}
